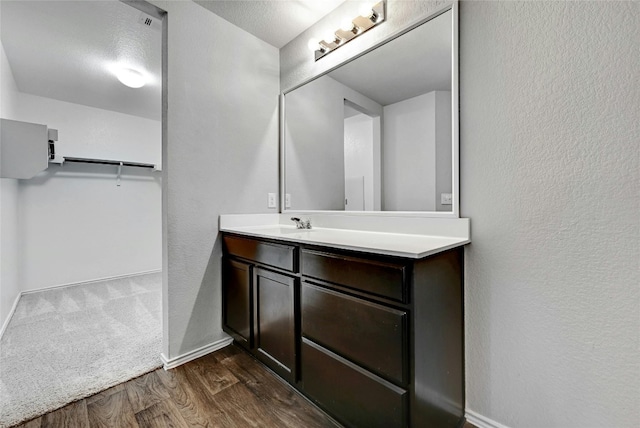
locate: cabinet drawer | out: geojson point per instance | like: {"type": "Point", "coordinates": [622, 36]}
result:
{"type": "Point", "coordinates": [374, 277]}
{"type": "Point", "coordinates": [371, 335]}
{"type": "Point", "coordinates": [357, 398]}
{"type": "Point", "coordinates": [277, 255]}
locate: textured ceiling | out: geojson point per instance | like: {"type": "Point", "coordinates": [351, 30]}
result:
{"type": "Point", "coordinates": [411, 65]}
{"type": "Point", "coordinates": [276, 22]}
{"type": "Point", "coordinates": [66, 50]}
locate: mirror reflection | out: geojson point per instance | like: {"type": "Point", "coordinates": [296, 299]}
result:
{"type": "Point", "coordinates": [376, 133]}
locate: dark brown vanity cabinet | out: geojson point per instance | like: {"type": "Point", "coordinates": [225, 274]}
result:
{"type": "Point", "coordinates": [376, 341]}
{"type": "Point", "coordinates": [258, 301]}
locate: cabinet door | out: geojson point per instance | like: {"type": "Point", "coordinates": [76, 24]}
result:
{"type": "Point", "coordinates": [236, 301]}
{"type": "Point", "coordinates": [275, 321]}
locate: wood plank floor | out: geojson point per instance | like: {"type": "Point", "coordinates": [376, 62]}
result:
{"type": "Point", "coordinates": [227, 388]}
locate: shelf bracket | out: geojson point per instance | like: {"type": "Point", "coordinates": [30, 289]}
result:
{"type": "Point", "coordinates": [119, 172]}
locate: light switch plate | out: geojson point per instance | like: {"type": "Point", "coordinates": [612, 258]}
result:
{"type": "Point", "coordinates": [287, 200]}
{"type": "Point", "coordinates": [271, 200]}
{"type": "Point", "coordinates": [446, 199]}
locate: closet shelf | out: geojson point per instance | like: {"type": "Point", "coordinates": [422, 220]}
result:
{"type": "Point", "coordinates": [119, 164]}
{"type": "Point", "coordinates": [65, 159]}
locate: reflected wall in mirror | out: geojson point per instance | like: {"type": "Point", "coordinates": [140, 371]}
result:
{"type": "Point", "coordinates": [376, 133]}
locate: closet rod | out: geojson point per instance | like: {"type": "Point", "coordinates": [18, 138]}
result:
{"type": "Point", "coordinates": [110, 162]}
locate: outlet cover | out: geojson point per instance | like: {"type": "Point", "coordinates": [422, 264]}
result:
{"type": "Point", "coordinates": [446, 198]}
{"type": "Point", "coordinates": [271, 200]}
{"type": "Point", "coordinates": [287, 200]}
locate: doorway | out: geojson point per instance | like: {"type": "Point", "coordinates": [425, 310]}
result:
{"type": "Point", "coordinates": [361, 158]}
{"type": "Point", "coordinates": [88, 234]}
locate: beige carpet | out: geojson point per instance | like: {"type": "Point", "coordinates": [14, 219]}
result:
{"type": "Point", "coordinates": [65, 344]}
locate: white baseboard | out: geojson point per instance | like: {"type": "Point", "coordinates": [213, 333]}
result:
{"type": "Point", "coordinates": [10, 315]}
{"type": "Point", "coordinates": [482, 421]}
{"type": "Point", "coordinates": [15, 303]}
{"type": "Point", "coordinates": [91, 281]}
{"type": "Point", "coordinates": [171, 363]}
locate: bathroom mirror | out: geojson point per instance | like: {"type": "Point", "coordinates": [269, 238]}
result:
{"type": "Point", "coordinates": [380, 132]}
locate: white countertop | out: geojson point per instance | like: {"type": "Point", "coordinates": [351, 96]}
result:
{"type": "Point", "coordinates": [393, 244]}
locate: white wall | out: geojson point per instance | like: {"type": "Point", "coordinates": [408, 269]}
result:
{"type": "Point", "coordinates": [409, 161]}
{"type": "Point", "coordinates": [444, 155]}
{"type": "Point", "coordinates": [9, 285]}
{"type": "Point", "coordinates": [8, 87]}
{"type": "Point", "coordinates": [314, 139]}
{"type": "Point", "coordinates": [76, 224]}
{"type": "Point", "coordinates": [417, 153]}
{"type": "Point", "coordinates": [221, 157]}
{"type": "Point", "coordinates": [314, 135]}
{"type": "Point", "coordinates": [95, 133]}
{"type": "Point", "coordinates": [549, 177]}
{"type": "Point", "coordinates": [358, 154]}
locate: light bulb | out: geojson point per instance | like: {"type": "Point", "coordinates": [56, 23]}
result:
{"type": "Point", "coordinates": [131, 78]}
{"type": "Point", "coordinates": [330, 37]}
{"type": "Point", "coordinates": [366, 10]}
{"type": "Point", "coordinates": [313, 45]}
{"type": "Point", "coordinates": [346, 25]}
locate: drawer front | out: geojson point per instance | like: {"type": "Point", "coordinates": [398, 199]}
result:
{"type": "Point", "coordinates": [354, 396]}
{"type": "Point", "coordinates": [280, 256]}
{"type": "Point", "coordinates": [382, 279]}
{"type": "Point", "coordinates": [371, 335]}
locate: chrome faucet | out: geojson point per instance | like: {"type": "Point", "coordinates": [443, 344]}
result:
{"type": "Point", "coordinates": [301, 224]}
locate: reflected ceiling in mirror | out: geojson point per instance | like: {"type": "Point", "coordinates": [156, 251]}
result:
{"type": "Point", "coordinates": [376, 133]}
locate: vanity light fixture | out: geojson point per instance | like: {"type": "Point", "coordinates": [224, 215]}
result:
{"type": "Point", "coordinates": [369, 17]}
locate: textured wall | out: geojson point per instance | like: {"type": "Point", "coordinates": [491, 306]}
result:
{"type": "Point", "coordinates": [9, 286]}
{"type": "Point", "coordinates": [221, 157]}
{"type": "Point", "coordinates": [8, 87]}
{"type": "Point", "coordinates": [409, 161]}
{"type": "Point", "coordinates": [76, 224]}
{"type": "Point", "coordinates": [550, 178]}
{"type": "Point", "coordinates": [358, 156]}
{"type": "Point", "coordinates": [443, 148]}
{"type": "Point", "coordinates": [314, 135]}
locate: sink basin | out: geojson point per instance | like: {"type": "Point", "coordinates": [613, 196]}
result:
{"type": "Point", "coordinates": [287, 231]}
